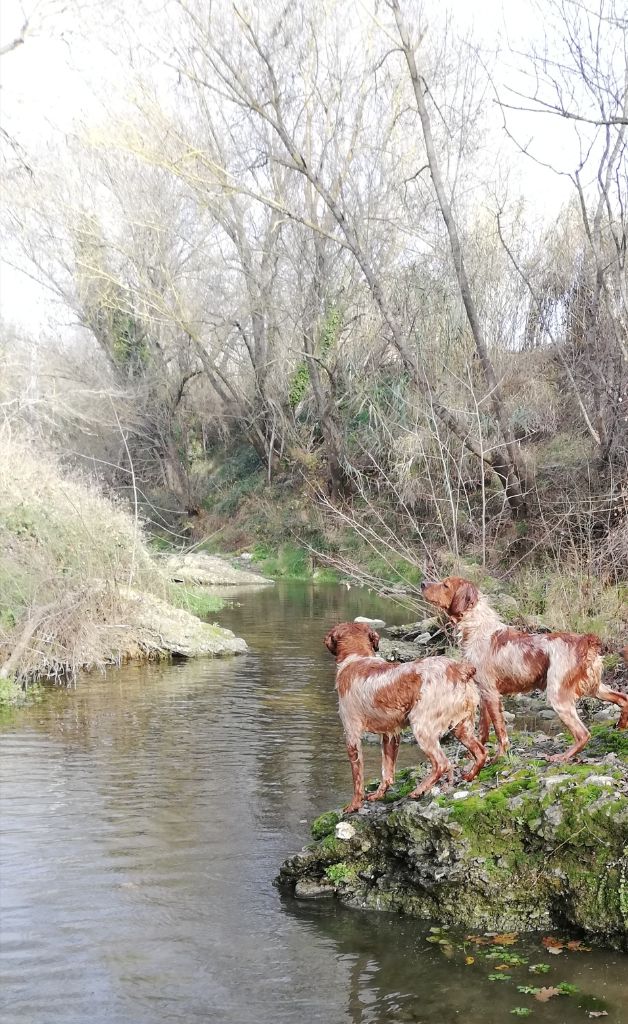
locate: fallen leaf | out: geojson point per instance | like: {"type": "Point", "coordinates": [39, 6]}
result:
{"type": "Point", "coordinates": [576, 944]}
{"type": "Point", "coordinates": [545, 993]}
{"type": "Point", "coordinates": [551, 943]}
{"type": "Point", "coordinates": [503, 967]}
{"type": "Point", "coordinates": [505, 939]}
{"type": "Point", "coordinates": [469, 959]}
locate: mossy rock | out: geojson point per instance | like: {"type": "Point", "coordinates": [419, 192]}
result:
{"type": "Point", "coordinates": [530, 846]}
{"type": "Point", "coordinates": [325, 824]}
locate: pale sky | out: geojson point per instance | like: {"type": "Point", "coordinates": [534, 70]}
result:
{"type": "Point", "coordinates": [64, 73]}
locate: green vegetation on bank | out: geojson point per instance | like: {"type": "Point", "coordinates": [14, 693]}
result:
{"type": "Point", "coordinates": [197, 600]}
{"type": "Point", "coordinates": [292, 534]}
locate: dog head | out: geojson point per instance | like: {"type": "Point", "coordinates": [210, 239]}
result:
{"type": "Point", "coordinates": [454, 595]}
{"type": "Point", "coordinates": [351, 638]}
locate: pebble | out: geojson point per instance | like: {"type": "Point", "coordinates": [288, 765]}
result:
{"type": "Point", "coordinates": [376, 623]}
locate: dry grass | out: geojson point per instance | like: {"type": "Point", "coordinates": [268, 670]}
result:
{"type": "Point", "coordinates": [66, 553]}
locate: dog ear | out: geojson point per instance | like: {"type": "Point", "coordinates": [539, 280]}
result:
{"type": "Point", "coordinates": [374, 638]}
{"type": "Point", "coordinates": [465, 597]}
{"type": "Point", "coordinates": [330, 641]}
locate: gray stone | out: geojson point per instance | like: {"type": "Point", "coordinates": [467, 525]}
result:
{"type": "Point", "coordinates": [306, 889]}
{"type": "Point", "coordinates": [555, 780]}
{"type": "Point", "coordinates": [401, 650]}
{"type": "Point", "coordinates": [376, 623]}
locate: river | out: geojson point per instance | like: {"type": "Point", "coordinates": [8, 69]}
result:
{"type": "Point", "coordinates": [145, 814]}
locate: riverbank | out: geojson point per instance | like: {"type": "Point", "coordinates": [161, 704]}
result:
{"type": "Point", "coordinates": [79, 587]}
{"type": "Point", "coordinates": [527, 846]}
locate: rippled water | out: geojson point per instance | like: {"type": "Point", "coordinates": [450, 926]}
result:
{"type": "Point", "coordinates": [145, 815]}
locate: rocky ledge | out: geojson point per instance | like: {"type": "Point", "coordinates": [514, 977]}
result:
{"type": "Point", "coordinates": [527, 846]}
{"type": "Point", "coordinates": [160, 629]}
{"type": "Point", "coordinates": [209, 571]}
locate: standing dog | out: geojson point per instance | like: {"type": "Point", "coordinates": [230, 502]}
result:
{"type": "Point", "coordinates": [432, 695]}
{"type": "Point", "coordinates": [567, 665]}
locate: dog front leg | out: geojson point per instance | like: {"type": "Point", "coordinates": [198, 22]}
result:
{"type": "Point", "coordinates": [354, 750]}
{"type": "Point", "coordinates": [484, 727]}
{"type": "Point", "coordinates": [390, 749]}
{"type": "Point", "coordinates": [496, 713]}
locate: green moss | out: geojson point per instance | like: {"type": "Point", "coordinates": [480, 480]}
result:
{"type": "Point", "coordinates": [491, 771]}
{"type": "Point", "coordinates": [405, 782]}
{"type": "Point", "coordinates": [340, 872]}
{"type": "Point", "coordinates": [325, 824]}
{"type": "Point", "coordinates": [608, 740]}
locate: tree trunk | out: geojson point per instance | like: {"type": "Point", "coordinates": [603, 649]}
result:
{"type": "Point", "coordinates": [508, 467]}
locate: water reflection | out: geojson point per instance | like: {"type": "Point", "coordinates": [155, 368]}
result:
{"type": "Point", "coordinates": [144, 817]}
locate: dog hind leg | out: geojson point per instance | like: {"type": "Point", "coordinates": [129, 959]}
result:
{"type": "Point", "coordinates": [390, 749]}
{"type": "Point", "coordinates": [605, 693]}
{"type": "Point", "coordinates": [440, 765]}
{"type": "Point", "coordinates": [465, 734]}
{"type": "Point", "coordinates": [569, 717]}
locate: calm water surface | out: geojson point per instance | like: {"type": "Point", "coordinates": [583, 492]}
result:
{"type": "Point", "coordinates": [145, 815]}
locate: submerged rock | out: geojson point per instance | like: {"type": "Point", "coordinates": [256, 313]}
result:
{"type": "Point", "coordinates": [530, 846]}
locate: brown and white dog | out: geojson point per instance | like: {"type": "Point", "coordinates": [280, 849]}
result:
{"type": "Point", "coordinates": [433, 695]}
{"type": "Point", "coordinates": [567, 665]}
